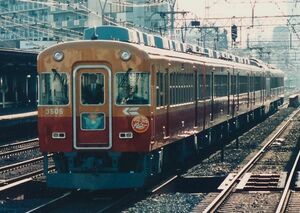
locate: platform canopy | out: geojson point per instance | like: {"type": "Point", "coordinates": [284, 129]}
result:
{"type": "Point", "coordinates": [12, 60]}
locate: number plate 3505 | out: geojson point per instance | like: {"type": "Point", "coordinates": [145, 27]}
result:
{"type": "Point", "coordinates": [54, 111]}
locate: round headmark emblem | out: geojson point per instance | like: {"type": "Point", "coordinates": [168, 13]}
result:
{"type": "Point", "coordinates": [140, 124]}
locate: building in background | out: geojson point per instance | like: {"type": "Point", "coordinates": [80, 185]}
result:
{"type": "Point", "coordinates": [294, 50]}
{"type": "Point", "coordinates": [39, 24]}
{"type": "Point", "coordinates": [280, 47]}
{"type": "Point", "coordinates": [142, 14]}
{"type": "Point", "coordinates": [208, 37]}
{"type": "Point", "coordinates": [23, 21]}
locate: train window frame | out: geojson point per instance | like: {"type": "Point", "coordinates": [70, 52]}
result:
{"type": "Point", "coordinates": [116, 89]}
{"type": "Point", "coordinates": [39, 90]}
{"type": "Point", "coordinates": [104, 89]}
{"type": "Point", "coordinates": [93, 130]}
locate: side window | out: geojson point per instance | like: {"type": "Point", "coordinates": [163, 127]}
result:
{"type": "Point", "coordinates": [160, 89]}
{"type": "Point", "coordinates": [204, 86]}
{"type": "Point", "coordinates": [233, 85]}
{"type": "Point", "coordinates": [221, 85]}
{"type": "Point", "coordinates": [191, 85]}
{"type": "Point", "coordinates": [177, 83]}
{"type": "Point", "coordinates": [208, 84]}
{"type": "Point", "coordinates": [172, 88]}
{"type": "Point", "coordinates": [257, 83]}
{"type": "Point", "coordinates": [244, 84]}
{"type": "Point", "coordinates": [157, 89]}
{"type": "Point", "coordinates": [92, 88]}
{"type": "Point", "coordinates": [166, 88]}
{"type": "Point", "coordinates": [199, 86]}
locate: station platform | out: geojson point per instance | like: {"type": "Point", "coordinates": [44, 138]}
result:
{"type": "Point", "coordinates": [16, 110]}
{"type": "Point", "coordinates": [15, 116]}
{"type": "Point", "coordinates": [17, 123]}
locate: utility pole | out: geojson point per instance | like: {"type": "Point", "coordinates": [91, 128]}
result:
{"type": "Point", "coordinates": [172, 13]}
{"type": "Point", "coordinates": [252, 2]}
{"type": "Point", "coordinates": [207, 7]}
{"type": "Point", "coordinates": [172, 19]}
{"type": "Point", "coordinates": [102, 7]}
{"type": "Point", "coordinates": [204, 31]}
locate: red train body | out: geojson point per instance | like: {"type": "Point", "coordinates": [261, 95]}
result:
{"type": "Point", "coordinates": [115, 113]}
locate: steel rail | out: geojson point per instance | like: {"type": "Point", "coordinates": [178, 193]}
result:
{"type": "Point", "coordinates": [47, 206]}
{"type": "Point", "coordinates": [20, 164]}
{"type": "Point", "coordinates": [25, 176]}
{"type": "Point", "coordinates": [18, 150]}
{"type": "Point", "coordinates": [124, 199]}
{"type": "Point", "coordinates": [23, 179]}
{"type": "Point", "coordinates": [286, 192]}
{"type": "Point", "coordinates": [164, 184]}
{"type": "Point", "coordinates": [212, 207]}
{"type": "Point", "coordinates": [20, 143]}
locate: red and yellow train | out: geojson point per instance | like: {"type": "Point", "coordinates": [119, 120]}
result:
{"type": "Point", "coordinates": [123, 106]}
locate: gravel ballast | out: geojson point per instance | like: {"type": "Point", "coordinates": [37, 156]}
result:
{"type": "Point", "coordinates": [184, 202]}
{"type": "Point", "coordinates": [248, 142]}
{"type": "Point", "coordinates": [178, 202]}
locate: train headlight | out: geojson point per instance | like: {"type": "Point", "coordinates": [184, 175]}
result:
{"type": "Point", "coordinates": [125, 55]}
{"type": "Point", "coordinates": [58, 56]}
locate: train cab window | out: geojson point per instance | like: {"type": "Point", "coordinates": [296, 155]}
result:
{"type": "Point", "coordinates": [54, 89]}
{"type": "Point", "coordinates": [92, 88]}
{"type": "Point", "coordinates": [132, 88]}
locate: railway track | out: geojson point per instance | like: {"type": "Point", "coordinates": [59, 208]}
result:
{"type": "Point", "coordinates": [289, 201]}
{"type": "Point", "coordinates": [225, 196]}
{"type": "Point", "coordinates": [18, 148]}
{"type": "Point", "coordinates": [114, 202]}
{"type": "Point", "coordinates": [103, 203]}
{"type": "Point", "coordinates": [293, 204]}
{"type": "Point", "coordinates": [22, 165]}
{"type": "Point", "coordinates": [47, 206]}
{"type": "Point", "coordinates": [18, 168]}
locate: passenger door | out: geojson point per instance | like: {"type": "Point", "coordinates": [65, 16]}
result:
{"type": "Point", "coordinates": [92, 113]}
{"type": "Point", "coordinates": [162, 104]}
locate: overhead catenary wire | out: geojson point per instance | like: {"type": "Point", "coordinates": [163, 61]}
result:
{"type": "Point", "coordinates": [42, 27]}
{"type": "Point", "coordinates": [123, 3]}
{"type": "Point", "coordinates": [38, 29]}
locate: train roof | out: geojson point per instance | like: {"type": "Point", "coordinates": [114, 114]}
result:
{"type": "Point", "coordinates": [118, 33]}
{"type": "Point", "coordinates": [174, 48]}
{"type": "Point", "coordinates": [157, 47]}
{"type": "Point", "coordinates": [168, 56]}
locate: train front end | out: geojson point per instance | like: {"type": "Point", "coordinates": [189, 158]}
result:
{"type": "Point", "coordinates": [94, 115]}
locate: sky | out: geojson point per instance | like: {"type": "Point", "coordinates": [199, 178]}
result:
{"type": "Point", "coordinates": [228, 9]}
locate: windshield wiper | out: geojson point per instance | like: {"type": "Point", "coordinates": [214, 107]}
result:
{"type": "Point", "coordinates": [125, 78]}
